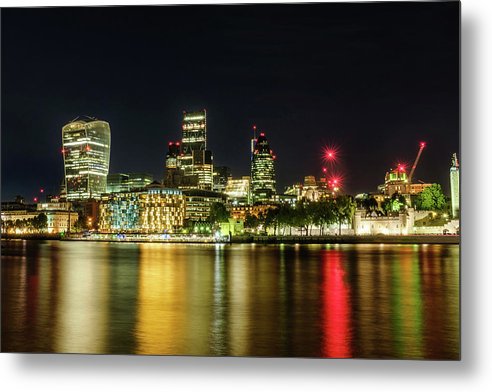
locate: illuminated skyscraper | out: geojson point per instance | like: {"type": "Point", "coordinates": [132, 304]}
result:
{"type": "Point", "coordinates": [221, 176]}
{"type": "Point", "coordinates": [86, 146]}
{"type": "Point", "coordinates": [262, 171]}
{"type": "Point", "coordinates": [253, 141]}
{"type": "Point", "coordinates": [194, 131]}
{"type": "Point", "coordinates": [172, 155]}
{"type": "Point", "coordinates": [172, 171]}
{"type": "Point", "coordinates": [454, 177]}
{"type": "Point", "coordinates": [195, 160]}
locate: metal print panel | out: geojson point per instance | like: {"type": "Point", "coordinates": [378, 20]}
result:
{"type": "Point", "coordinates": [234, 180]}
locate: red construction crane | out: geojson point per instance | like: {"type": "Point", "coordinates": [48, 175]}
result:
{"type": "Point", "coordinates": [422, 146]}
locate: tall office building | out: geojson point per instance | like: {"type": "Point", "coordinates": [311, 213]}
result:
{"type": "Point", "coordinates": [195, 160]}
{"type": "Point", "coordinates": [221, 176]}
{"type": "Point", "coordinates": [117, 182]}
{"type": "Point", "coordinates": [253, 141]}
{"type": "Point", "coordinates": [139, 180]}
{"type": "Point", "coordinates": [262, 171]}
{"type": "Point", "coordinates": [124, 182]}
{"type": "Point", "coordinates": [454, 177]}
{"type": "Point", "coordinates": [86, 147]}
{"type": "Point", "coordinates": [172, 155]}
{"type": "Point", "coordinates": [172, 171]}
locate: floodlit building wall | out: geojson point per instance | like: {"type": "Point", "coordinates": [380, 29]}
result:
{"type": "Point", "coordinates": [371, 224]}
{"type": "Point", "coordinates": [151, 211]}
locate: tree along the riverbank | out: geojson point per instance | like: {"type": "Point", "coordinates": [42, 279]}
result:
{"type": "Point", "coordinates": [304, 216]}
{"type": "Point", "coordinates": [38, 224]}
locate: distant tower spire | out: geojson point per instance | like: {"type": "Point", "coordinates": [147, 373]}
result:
{"type": "Point", "coordinates": [454, 178]}
{"type": "Point", "coordinates": [454, 160]}
{"type": "Point", "coordinates": [253, 141]}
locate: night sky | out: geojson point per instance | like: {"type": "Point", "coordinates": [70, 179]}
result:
{"type": "Point", "coordinates": [373, 79]}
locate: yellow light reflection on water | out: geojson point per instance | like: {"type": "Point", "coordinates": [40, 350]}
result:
{"type": "Point", "coordinates": [81, 312]}
{"type": "Point", "coordinates": [239, 292]}
{"type": "Point", "coordinates": [160, 303]}
{"type": "Point", "coordinates": [407, 312]}
{"type": "Point", "coordinates": [363, 301]}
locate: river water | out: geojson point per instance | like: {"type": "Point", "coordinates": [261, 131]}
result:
{"type": "Point", "coordinates": [336, 301]}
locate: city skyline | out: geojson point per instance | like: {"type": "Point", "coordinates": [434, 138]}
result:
{"type": "Point", "coordinates": [377, 112]}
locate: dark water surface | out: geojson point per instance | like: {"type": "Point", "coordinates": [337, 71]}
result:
{"type": "Point", "coordinates": [365, 301]}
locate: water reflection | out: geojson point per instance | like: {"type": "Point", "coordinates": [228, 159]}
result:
{"type": "Point", "coordinates": [336, 308]}
{"type": "Point", "coordinates": [82, 300]}
{"type": "Point", "coordinates": [341, 301]}
{"type": "Point", "coordinates": [161, 317]}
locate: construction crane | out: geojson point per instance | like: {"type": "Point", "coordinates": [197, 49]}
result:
{"type": "Point", "coordinates": [410, 176]}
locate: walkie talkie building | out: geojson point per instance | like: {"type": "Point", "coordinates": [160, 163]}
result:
{"type": "Point", "coordinates": [86, 147]}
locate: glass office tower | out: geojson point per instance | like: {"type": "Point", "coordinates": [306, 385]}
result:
{"type": "Point", "coordinates": [86, 146]}
{"type": "Point", "coordinates": [172, 171]}
{"type": "Point", "coordinates": [262, 171]}
{"type": "Point", "coordinates": [195, 160]}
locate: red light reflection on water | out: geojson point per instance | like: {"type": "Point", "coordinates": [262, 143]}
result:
{"type": "Point", "coordinates": [336, 308]}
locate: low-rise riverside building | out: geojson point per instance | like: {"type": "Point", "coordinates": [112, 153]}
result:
{"type": "Point", "coordinates": [154, 210]}
{"type": "Point", "coordinates": [370, 223]}
{"type": "Point", "coordinates": [232, 227]}
{"type": "Point", "coordinates": [240, 212]}
{"type": "Point", "coordinates": [60, 218]}
{"type": "Point", "coordinates": [199, 203]}
{"type": "Point", "coordinates": [310, 190]}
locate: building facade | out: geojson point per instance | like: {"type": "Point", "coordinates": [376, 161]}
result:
{"type": "Point", "coordinates": [139, 180]}
{"type": "Point", "coordinates": [146, 211]}
{"type": "Point", "coordinates": [419, 187]}
{"type": "Point", "coordinates": [199, 203]}
{"type": "Point", "coordinates": [263, 185]}
{"type": "Point", "coordinates": [454, 178]}
{"type": "Point", "coordinates": [195, 160]}
{"type": "Point", "coordinates": [395, 181]}
{"type": "Point", "coordinates": [86, 149]}
{"type": "Point", "coordinates": [310, 190]}
{"type": "Point", "coordinates": [122, 182]}
{"type": "Point", "coordinates": [222, 174]}
{"type": "Point", "coordinates": [117, 182]}
{"type": "Point", "coordinates": [59, 217]}
{"type": "Point", "coordinates": [370, 223]}
{"type": "Point", "coordinates": [172, 172]}
{"type": "Point", "coordinates": [241, 212]}
{"type": "Point", "coordinates": [238, 190]}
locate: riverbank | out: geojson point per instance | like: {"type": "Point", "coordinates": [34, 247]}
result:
{"type": "Point", "coordinates": [42, 236]}
{"type": "Point", "coordinates": [362, 239]}
{"type": "Point", "coordinates": [338, 239]}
